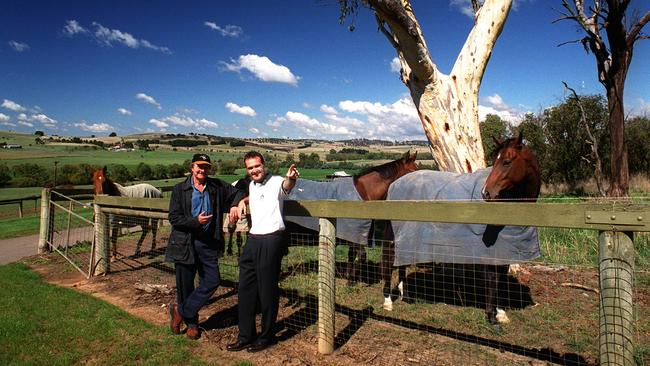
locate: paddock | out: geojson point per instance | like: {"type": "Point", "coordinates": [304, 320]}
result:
{"type": "Point", "coordinates": [563, 313]}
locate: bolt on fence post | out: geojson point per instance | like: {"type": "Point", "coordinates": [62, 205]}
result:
{"type": "Point", "coordinates": [45, 221]}
{"type": "Point", "coordinates": [616, 266]}
{"type": "Point", "coordinates": [102, 261]}
{"type": "Point", "coordinates": [326, 285]}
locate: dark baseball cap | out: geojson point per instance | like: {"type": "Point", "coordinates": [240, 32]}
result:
{"type": "Point", "coordinates": [201, 159]}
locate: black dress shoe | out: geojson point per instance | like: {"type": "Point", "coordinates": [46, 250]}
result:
{"type": "Point", "coordinates": [258, 346]}
{"type": "Point", "coordinates": [238, 346]}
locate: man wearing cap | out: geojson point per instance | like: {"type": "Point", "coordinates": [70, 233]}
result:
{"type": "Point", "coordinates": [259, 264]}
{"type": "Point", "coordinates": [196, 212]}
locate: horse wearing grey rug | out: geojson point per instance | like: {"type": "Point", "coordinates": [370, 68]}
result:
{"type": "Point", "coordinates": [103, 185]}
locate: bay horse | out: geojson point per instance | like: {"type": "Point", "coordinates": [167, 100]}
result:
{"type": "Point", "coordinates": [103, 185]}
{"type": "Point", "coordinates": [483, 249]}
{"type": "Point", "coordinates": [370, 184]}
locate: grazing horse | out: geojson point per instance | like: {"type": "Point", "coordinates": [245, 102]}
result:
{"type": "Point", "coordinates": [371, 184]}
{"type": "Point", "coordinates": [103, 185]}
{"type": "Point", "coordinates": [485, 248]}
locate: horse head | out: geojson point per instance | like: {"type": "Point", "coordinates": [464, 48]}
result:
{"type": "Point", "coordinates": [372, 183]}
{"type": "Point", "coordinates": [515, 172]}
{"type": "Point", "coordinates": [101, 184]}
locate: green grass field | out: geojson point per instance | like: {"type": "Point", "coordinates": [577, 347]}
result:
{"type": "Point", "coordinates": [36, 328]}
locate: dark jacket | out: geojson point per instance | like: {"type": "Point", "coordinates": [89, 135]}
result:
{"type": "Point", "coordinates": [186, 228]}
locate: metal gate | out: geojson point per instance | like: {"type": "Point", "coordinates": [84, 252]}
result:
{"type": "Point", "coordinates": [67, 228]}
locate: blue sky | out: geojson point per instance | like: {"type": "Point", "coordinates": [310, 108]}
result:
{"type": "Point", "coordinates": [267, 68]}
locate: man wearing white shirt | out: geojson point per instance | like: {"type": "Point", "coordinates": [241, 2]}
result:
{"type": "Point", "coordinates": [259, 264]}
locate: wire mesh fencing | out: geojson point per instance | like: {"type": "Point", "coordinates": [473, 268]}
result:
{"type": "Point", "coordinates": [544, 310]}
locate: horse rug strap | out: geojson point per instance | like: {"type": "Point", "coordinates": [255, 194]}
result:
{"type": "Point", "coordinates": [425, 242]}
{"type": "Point", "coordinates": [342, 189]}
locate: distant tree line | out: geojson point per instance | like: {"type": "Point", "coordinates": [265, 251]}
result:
{"type": "Point", "coordinates": [34, 175]}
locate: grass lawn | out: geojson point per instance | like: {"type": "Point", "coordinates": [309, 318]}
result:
{"type": "Point", "coordinates": [43, 324]}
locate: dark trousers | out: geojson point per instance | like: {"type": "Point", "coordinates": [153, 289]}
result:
{"type": "Point", "coordinates": [259, 273]}
{"type": "Point", "coordinates": [190, 300]}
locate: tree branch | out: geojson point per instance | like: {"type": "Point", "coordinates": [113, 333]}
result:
{"type": "Point", "coordinates": [633, 35]}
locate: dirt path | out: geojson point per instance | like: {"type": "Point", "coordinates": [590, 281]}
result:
{"type": "Point", "coordinates": [14, 249]}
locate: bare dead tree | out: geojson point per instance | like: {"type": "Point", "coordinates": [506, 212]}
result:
{"type": "Point", "coordinates": [612, 45]}
{"type": "Point", "coordinates": [594, 156]}
{"type": "Point", "coordinates": [447, 104]}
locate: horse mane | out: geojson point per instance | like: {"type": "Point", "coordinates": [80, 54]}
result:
{"type": "Point", "coordinates": [386, 170]}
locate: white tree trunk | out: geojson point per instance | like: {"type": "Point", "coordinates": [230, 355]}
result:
{"type": "Point", "coordinates": [447, 104]}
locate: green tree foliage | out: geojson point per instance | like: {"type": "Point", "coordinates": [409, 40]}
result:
{"type": "Point", "coordinates": [112, 134]}
{"type": "Point", "coordinates": [309, 161]}
{"type": "Point", "coordinates": [5, 175]}
{"type": "Point", "coordinates": [176, 170]}
{"type": "Point", "coordinates": [119, 173]}
{"type": "Point", "coordinates": [637, 138]}
{"type": "Point", "coordinates": [160, 172]}
{"type": "Point", "coordinates": [492, 127]}
{"type": "Point", "coordinates": [29, 175]}
{"type": "Point", "coordinates": [567, 140]}
{"type": "Point", "coordinates": [143, 171]}
{"type": "Point", "coordinates": [75, 174]}
{"type": "Point", "coordinates": [235, 143]}
{"type": "Point", "coordinates": [39, 133]}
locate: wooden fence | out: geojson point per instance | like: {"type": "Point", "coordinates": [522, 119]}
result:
{"type": "Point", "coordinates": [616, 222]}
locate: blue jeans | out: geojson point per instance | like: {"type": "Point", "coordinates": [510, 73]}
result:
{"type": "Point", "coordinates": [190, 300]}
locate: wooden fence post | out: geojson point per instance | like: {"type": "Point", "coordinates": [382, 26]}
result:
{"type": "Point", "coordinates": [326, 285]}
{"type": "Point", "coordinates": [45, 222]}
{"type": "Point", "coordinates": [616, 265]}
{"type": "Point", "coordinates": [102, 257]}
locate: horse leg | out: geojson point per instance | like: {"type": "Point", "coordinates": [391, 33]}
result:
{"type": "Point", "coordinates": [495, 316]}
{"type": "Point", "coordinates": [114, 232]}
{"type": "Point", "coordinates": [387, 259]}
{"type": "Point", "coordinates": [154, 231]}
{"type": "Point", "coordinates": [145, 230]}
{"type": "Point", "coordinates": [351, 270]}
{"type": "Point", "coordinates": [231, 231]}
{"type": "Point", "coordinates": [240, 242]}
{"type": "Point", "coordinates": [401, 281]}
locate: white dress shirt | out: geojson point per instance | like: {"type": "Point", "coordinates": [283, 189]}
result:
{"type": "Point", "coordinates": [265, 205]}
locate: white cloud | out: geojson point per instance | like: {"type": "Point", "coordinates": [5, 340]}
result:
{"type": "Point", "coordinates": [22, 117]}
{"type": "Point", "coordinates": [395, 65]}
{"type": "Point", "coordinates": [642, 108]}
{"type": "Point", "coordinates": [25, 123]}
{"type": "Point", "coordinates": [95, 127]}
{"type": "Point", "coordinates": [464, 6]}
{"type": "Point", "coordinates": [496, 105]}
{"type": "Point", "coordinates": [12, 106]}
{"type": "Point", "coordinates": [185, 121]}
{"type": "Point", "coordinates": [328, 109]}
{"type": "Point", "coordinates": [43, 119]}
{"type": "Point", "coordinates": [147, 99]}
{"type": "Point", "coordinates": [18, 46]}
{"type": "Point", "coordinates": [232, 31]}
{"type": "Point", "coordinates": [312, 126]}
{"type": "Point", "coordinates": [254, 130]}
{"type": "Point", "coordinates": [160, 124]}
{"type": "Point", "coordinates": [72, 27]}
{"type": "Point", "coordinates": [245, 110]}
{"type": "Point", "coordinates": [124, 111]}
{"type": "Point", "coordinates": [307, 105]}
{"type": "Point", "coordinates": [8, 124]}
{"type": "Point", "coordinates": [108, 37]}
{"type": "Point", "coordinates": [276, 123]}
{"type": "Point", "coordinates": [262, 68]}
{"type": "Point", "coordinates": [4, 118]}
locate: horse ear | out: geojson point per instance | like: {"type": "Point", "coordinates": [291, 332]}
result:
{"type": "Point", "coordinates": [520, 138]}
{"type": "Point", "coordinates": [406, 155]}
{"type": "Point", "coordinates": [497, 141]}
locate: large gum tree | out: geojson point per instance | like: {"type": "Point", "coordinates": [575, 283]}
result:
{"type": "Point", "coordinates": [447, 104]}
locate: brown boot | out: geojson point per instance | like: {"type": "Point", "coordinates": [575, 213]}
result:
{"type": "Point", "coordinates": [193, 332]}
{"type": "Point", "coordinates": [175, 319]}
